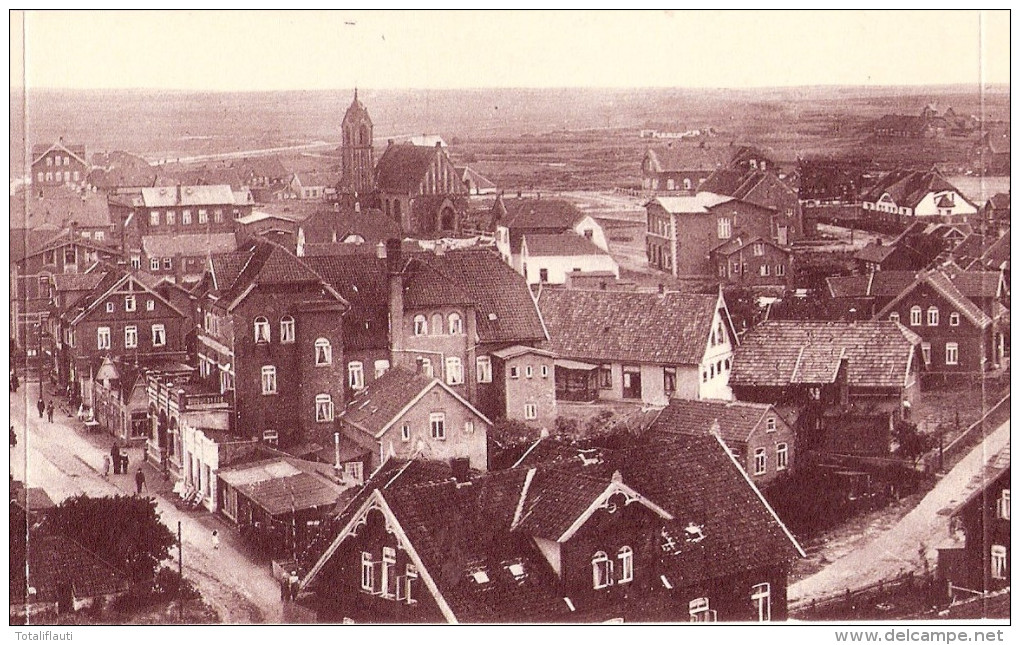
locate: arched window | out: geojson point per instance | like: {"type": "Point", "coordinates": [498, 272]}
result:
{"type": "Point", "coordinates": [915, 316]}
{"type": "Point", "coordinates": [687, 183]}
{"type": "Point", "coordinates": [933, 316]}
{"type": "Point", "coordinates": [323, 408]}
{"type": "Point", "coordinates": [356, 375]}
{"type": "Point", "coordinates": [287, 329]}
{"type": "Point", "coordinates": [954, 319]}
{"type": "Point", "coordinates": [761, 597]}
{"type": "Point", "coordinates": [601, 570]}
{"type": "Point", "coordinates": [421, 325]}
{"type": "Point", "coordinates": [323, 352]}
{"type": "Point", "coordinates": [437, 324]}
{"type": "Point", "coordinates": [456, 324]}
{"type": "Point", "coordinates": [626, 557]}
{"type": "Point", "coordinates": [261, 330]}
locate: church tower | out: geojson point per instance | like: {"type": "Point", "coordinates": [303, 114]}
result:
{"type": "Point", "coordinates": [358, 163]}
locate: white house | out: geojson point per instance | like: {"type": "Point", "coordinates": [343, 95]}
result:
{"type": "Point", "coordinates": [911, 193]}
{"type": "Point", "coordinates": [548, 258]}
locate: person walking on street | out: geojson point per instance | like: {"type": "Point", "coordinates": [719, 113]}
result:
{"type": "Point", "coordinates": [115, 458]}
{"type": "Point", "coordinates": [139, 481]}
{"type": "Point", "coordinates": [124, 464]}
{"type": "Point", "coordinates": [49, 411]}
{"type": "Point", "coordinates": [107, 462]}
{"type": "Point", "coordinates": [215, 539]}
{"type": "Point", "coordinates": [41, 406]}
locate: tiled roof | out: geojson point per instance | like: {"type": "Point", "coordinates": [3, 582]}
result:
{"type": "Point", "coordinates": [999, 201]}
{"type": "Point", "coordinates": [540, 215]}
{"type": "Point", "coordinates": [996, 466]}
{"type": "Point", "coordinates": [941, 284]}
{"type": "Point", "coordinates": [187, 196]}
{"type": "Point", "coordinates": [976, 284]}
{"type": "Point", "coordinates": [742, 240]}
{"type": "Point", "coordinates": [402, 167]}
{"type": "Point", "coordinates": [908, 187]}
{"type": "Point", "coordinates": [58, 206]}
{"type": "Point", "coordinates": [689, 158]}
{"type": "Point", "coordinates": [561, 245]}
{"type": "Point", "coordinates": [874, 252]}
{"type": "Point", "coordinates": [556, 499]}
{"type": "Point", "coordinates": [699, 203]}
{"type": "Point", "coordinates": [426, 286]}
{"type": "Point", "coordinates": [76, 281]}
{"type": "Point", "coordinates": [54, 560]}
{"type": "Point", "coordinates": [362, 282]}
{"type": "Point", "coordinates": [881, 284]}
{"type": "Point", "coordinates": [261, 262]}
{"type": "Point", "coordinates": [370, 224]}
{"type": "Point", "coordinates": [779, 353]}
{"type": "Point", "coordinates": [284, 485]}
{"type": "Point", "coordinates": [372, 408]}
{"type": "Point", "coordinates": [736, 419]}
{"type": "Point", "coordinates": [622, 326]}
{"type": "Point", "coordinates": [188, 244]}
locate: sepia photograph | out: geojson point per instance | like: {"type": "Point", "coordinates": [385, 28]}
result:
{"type": "Point", "coordinates": [505, 317]}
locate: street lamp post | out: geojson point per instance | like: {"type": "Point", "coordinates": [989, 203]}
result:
{"type": "Point", "coordinates": [180, 572]}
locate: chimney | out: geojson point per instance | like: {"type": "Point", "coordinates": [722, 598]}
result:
{"type": "Point", "coordinates": [439, 144]}
{"type": "Point", "coordinates": [419, 365]}
{"type": "Point", "coordinates": [336, 450]}
{"type": "Point", "coordinates": [461, 467]}
{"type": "Point", "coordinates": [396, 298]}
{"type": "Point", "coordinates": [380, 251]}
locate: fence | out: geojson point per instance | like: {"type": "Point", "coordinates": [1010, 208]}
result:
{"type": "Point", "coordinates": [850, 602]}
{"type": "Point", "coordinates": [970, 437]}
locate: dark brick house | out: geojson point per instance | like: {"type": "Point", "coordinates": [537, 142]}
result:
{"type": "Point", "coordinates": [681, 168]}
{"type": "Point", "coordinates": [419, 188]}
{"type": "Point", "coordinates": [669, 531]}
{"type": "Point", "coordinates": [58, 164]}
{"type": "Point", "coordinates": [763, 188]}
{"type": "Point", "coordinates": [753, 261]}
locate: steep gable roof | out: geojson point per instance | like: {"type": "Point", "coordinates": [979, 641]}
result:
{"type": "Point", "coordinates": [402, 167]}
{"type": "Point", "coordinates": [908, 187]}
{"type": "Point", "coordinates": [111, 281]}
{"type": "Point", "coordinates": [735, 420]}
{"type": "Point", "coordinates": [210, 195]}
{"type": "Point", "coordinates": [689, 158]}
{"type": "Point", "coordinates": [741, 240]}
{"type": "Point", "coordinates": [700, 203]}
{"type": "Point", "coordinates": [671, 328]}
{"type": "Point", "coordinates": [76, 151]}
{"type": "Point", "coordinates": [781, 352]}
{"type": "Point", "coordinates": [540, 215]}
{"type": "Point", "coordinates": [945, 287]}
{"type": "Point", "coordinates": [561, 245]}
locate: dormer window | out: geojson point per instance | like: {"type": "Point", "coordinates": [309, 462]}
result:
{"type": "Point", "coordinates": [480, 576]}
{"type": "Point", "coordinates": [601, 570]}
{"type": "Point", "coordinates": [516, 569]}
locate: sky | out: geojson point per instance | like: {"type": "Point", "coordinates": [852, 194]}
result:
{"type": "Point", "coordinates": [313, 50]}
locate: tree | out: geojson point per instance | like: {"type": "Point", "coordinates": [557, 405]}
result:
{"type": "Point", "coordinates": [124, 531]}
{"type": "Point", "coordinates": [911, 443]}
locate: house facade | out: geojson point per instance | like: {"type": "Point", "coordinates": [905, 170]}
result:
{"type": "Point", "coordinates": [515, 218]}
{"type": "Point", "coordinates": [420, 188]}
{"type": "Point", "coordinates": [903, 195]}
{"type": "Point", "coordinates": [754, 261]}
{"type": "Point", "coordinates": [548, 259]}
{"type": "Point", "coordinates": [58, 164]}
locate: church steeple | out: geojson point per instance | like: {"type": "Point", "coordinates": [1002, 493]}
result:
{"type": "Point", "coordinates": [356, 151]}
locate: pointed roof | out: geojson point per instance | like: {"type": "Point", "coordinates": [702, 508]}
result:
{"type": "Point", "coordinates": [941, 283]}
{"type": "Point", "coordinates": [734, 420]}
{"type": "Point", "coordinates": [107, 371]}
{"type": "Point", "coordinates": [356, 111]}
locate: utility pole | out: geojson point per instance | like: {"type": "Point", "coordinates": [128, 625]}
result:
{"type": "Point", "coordinates": [180, 572]}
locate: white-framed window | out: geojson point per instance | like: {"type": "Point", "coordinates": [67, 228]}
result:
{"type": "Point", "coordinates": [952, 354]}
{"type": "Point", "coordinates": [103, 338]}
{"type": "Point", "coordinates": [171, 217]}
{"type": "Point", "coordinates": [323, 408]}
{"type": "Point", "coordinates": [926, 353]}
{"type": "Point", "coordinates": [186, 217]}
{"type": "Point", "coordinates": [269, 379]}
{"type": "Point", "coordinates": [759, 248]}
{"type": "Point", "coordinates": [150, 305]}
{"type": "Point", "coordinates": [168, 263]}
{"type": "Point", "coordinates": [437, 425]}
{"type": "Point", "coordinates": [545, 371]}
{"type": "Point", "coordinates": [700, 612]}
{"type": "Point", "coordinates": [1000, 567]}
{"type": "Point", "coordinates": [110, 307]}
{"type": "Point", "coordinates": [626, 557]}
{"type": "Point", "coordinates": [530, 411]}
{"type": "Point", "coordinates": [670, 184]}
{"type": "Point", "coordinates": [760, 461]}
{"type": "Point", "coordinates": [780, 269]}
{"type": "Point", "coordinates": [483, 369]}
{"type": "Point", "coordinates": [367, 572]}
{"type": "Point", "coordinates": [203, 216]}
{"type": "Point", "coordinates": [159, 335]}
{"type": "Point", "coordinates": [287, 333]}
{"type": "Point", "coordinates": [426, 367]}
{"type": "Point", "coordinates": [130, 303]}
{"type": "Point", "coordinates": [469, 427]}
{"type": "Point", "coordinates": [405, 432]}
{"type": "Point", "coordinates": [894, 316]}
{"type": "Point", "coordinates": [386, 579]}
{"type": "Point", "coordinates": [761, 598]}
{"type": "Point", "coordinates": [687, 183]}
{"type": "Point", "coordinates": [456, 324]}
{"type": "Point", "coordinates": [669, 379]}
{"type": "Point", "coordinates": [915, 316]}
{"type": "Point", "coordinates": [528, 371]}
{"type": "Point", "coordinates": [725, 228]}
{"type": "Point", "coordinates": [356, 375]}
{"type": "Point", "coordinates": [218, 215]}
{"type": "Point", "coordinates": [154, 264]}
{"type": "Point", "coordinates": [406, 584]}
{"type": "Point", "coordinates": [154, 218]}
{"type": "Point", "coordinates": [782, 456]}
{"type": "Point", "coordinates": [601, 570]}
{"type": "Point", "coordinates": [136, 262]}
{"type": "Point", "coordinates": [323, 352]}
{"type": "Point", "coordinates": [421, 325]}
{"type": "Point", "coordinates": [954, 319]}
{"type": "Point", "coordinates": [262, 329]}
{"type": "Point", "coordinates": [933, 316]}
{"type": "Point", "coordinates": [130, 337]}
{"type": "Point", "coordinates": [764, 270]}
{"type": "Point", "coordinates": [1002, 505]}
{"type": "Point", "coordinates": [381, 366]}
{"type": "Point", "coordinates": [770, 424]}
{"type": "Point", "coordinates": [454, 371]}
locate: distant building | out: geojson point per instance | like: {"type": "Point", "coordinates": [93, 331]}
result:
{"type": "Point", "coordinates": [515, 218]}
{"type": "Point", "coordinates": [903, 195]}
{"type": "Point", "coordinates": [419, 188]}
{"type": "Point", "coordinates": [682, 168]}
{"type": "Point", "coordinates": [927, 124]}
{"type": "Point", "coordinates": [548, 258]}
{"type": "Point", "coordinates": [762, 188]}
{"type": "Point", "coordinates": [58, 164]}
{"type": "Point", "coordinates": [753, 261]}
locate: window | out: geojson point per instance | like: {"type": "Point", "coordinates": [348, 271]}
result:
{"type": "Point", "coordinates": [669, 380]}
{"type": "Point", "coordinates": [158, 336]}
{"type": "Point", "coordinates": [528, 371]}
{"type": "Point", "coordinates": [367, 572]}
{"type": "Point", "coordinates": [736, 268]}
{"type": "Point", "coordinates": [606, 377]}
{"type": "Point", "coordinates": [150, 305]}
{"type": "Point", "coordinates": [387, 581]}
{"type": "Point", "coordinates": [456, 325]}
{"type": "Point", "coordinates": [759, 461]}
{"type": "Point", "coordinates": [954, 319]}
{"type": "Point", "coordinates": [49, 161]}
{"type": "Point", "coordinates": [323, 352]}
{"type": "Point", "coordinates": [103, 340]}
{"type": "Point", "coordinates": [926, 353]}
{"type": "Point", "coordinates": [915, 316]}
{"type": "Point", "coordinates": [782, 456]}
{"type": "Point", "coordinates": [700, 612]}
{"type": "Point", "coordinates": [894, 316]}
{"type": "Point", "coordinates": [454, 371]}
{"type": "Point", "coordinates": [764, 270]}
{"type": "Point", "coordinates": [543, 275]}
{"type": "Point", "coordinates": [261, 330]}
{"type": "Point", "coordinates": [405, 584]}
{"type": "Point", "coordinates": [154, 218]}
{"type": "Point", "coordinates": [999, 565]}
{"type": "Point", "coordinates": [1002, 505]}
{"type": "Point", "coordinates": [759, 249]}
{"type": "Point", "coordinates": [381, 366]}
{"type": "Point", "coordinates": [952, 354]}
{"type": "Point", "coordinates": [437, 324]}
{"type": "Point", "coordinates": [530, 411]}
{"type": "Point", "coordinates": [110, 307]}
{"type": "Point", "coordinates": [218, 215]}
{"type": "Point", "coordinates": [626, 557]}
{"type": "Point", "coordinates": [933, 316]}
{"type": "Point", "coordinates": [356, 375]}
{"type": "Point", "coordinates": [168, 263]}
{"type": "Point", "coordinates": [405, 432]}
{"type": "Point", "coordinates": [77, 176]}
{"type": "Point", "coordinates": [770, 424]}
{"type": "Point", "coordinates": [203, 216]}
{"type": "Point", "coordinates": [170, 218]}
{"type": "Point", "coordinates": [186, 217]}
{"type": "Point", "coordinates": [780, 269]}
{"type": "Point", "coordinates": [725, 229]}
{"type": "Point", "coordinates": [687, 183]}
{"type": "Point", "coordinates": [483, 368]}
{"type": "Point", "coordinates": [287, 330]}
{"type": "Point", "coordinates": [437, 425]}
{"type": "Point", "coordinates": [515, 372]}
{"type": "Point", "coordinates": [154, 264]}
{"type": "Point", "coordinates": [761, 598]}
{"type": "Point", "coordinates": [545, 371]}
{"type": "Point", "coordinates": [426, 367]}
{"type": "Point", "coordinates": [469, 427]}
{"type": "Point", "coordinates": [130, 337]}
{"type": "Point", "coordinates": [129, 303]}
{"type": "Point", "coordinates": [421, 325]}
{"type": "Point", "coordinates": [268, 379]}
{"type": "Point", "coordinates": [601, 570]}
{"type": "Point", "coordinates": [323, 408]}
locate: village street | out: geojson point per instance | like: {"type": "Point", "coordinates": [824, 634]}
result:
{"type": "Point", "coordinates": [925, 528]}
{"type": "Point", "coordinates": [62, 460]}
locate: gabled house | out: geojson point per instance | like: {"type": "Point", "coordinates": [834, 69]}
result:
{"type": "Point", "coordinates": [120, 397]}
{"type": "Point", "coordinates": [860, 297]}
{"type": "Point", "coordinates": [994, 215]}
{"type": "Point", "coordinates": [988, 252]}
{"type": "Point", "coordinates": [682, 168]}
{"type": "Point", "coordinates": [58, 164]}
{"type": "Point", "coordinates": [81, 213]}
{"type": "Point", "coordinates": [918, 246]}
{"type": "Point", "coordinates": [644, 347]}
{"type": "Point", "coordinates": [549, 258]}
{"type": "Point", "coordinates": [411, 415]}
{"type": "Point", "coordinates": [119, 171]}
{"type": "Point", "coordinates": [672, 531]}
{"type": "Point", "coordinates": [515, 218]}
{"type": "Point", "coordinates": [753, 260]}
{"type": "Point", "coordinates": [758, 437]}
{"type": "Point", "coordinates": [344, 225]}
{"type": "Point", "coordinates": [903, 195]}
{"type": "Point", "coordinates": [983, 563]}
{"type": "Point", "coordinates": [991, 153]}
{"type": "Point", "coordinates": [763, 188]}
{"type": "Point", "coordinates": [420, 189]}
{"type": "Point", "coordinates": [476, 183]}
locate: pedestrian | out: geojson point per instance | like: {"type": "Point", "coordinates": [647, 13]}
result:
{"type": "Point", "coordinates": [14, 437]}
{"type": "Point", "coordinates": [107, 462]}
{"type": "Point", "coordinates": [15, 382]}
{"type": "Point", "coordinates": [49, 411]}
{"type": "Point", "coordinates": [215, 539]}
{"type": "Point", "coordinates": [41, 406]}
{"type": "Point", "coordinates": [124, 464]}
{"type": "Point", "coordinates": [115, 458]}
{"type": "Point", "coordinates": [139, 481]}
